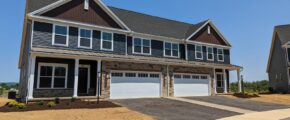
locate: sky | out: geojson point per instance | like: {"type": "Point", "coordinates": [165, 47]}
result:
{"type": "Point", "coordinates": [247, 24]}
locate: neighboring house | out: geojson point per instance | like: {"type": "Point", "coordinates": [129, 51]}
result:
{"type": "Point", "coordinates": [83, 48]}
{"type": "Point", "coordinates": [279, 60]}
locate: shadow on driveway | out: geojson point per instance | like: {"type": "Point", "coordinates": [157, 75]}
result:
{"type": "Point", "coordinates": [165, 109]}
{"type": "Point", "coordinates": [240, 103]}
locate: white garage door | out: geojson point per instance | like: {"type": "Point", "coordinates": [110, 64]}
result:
{"type": "Point", "coordinates": [135, 85]}
{"type": "Point", "coordinates": [191, 85]}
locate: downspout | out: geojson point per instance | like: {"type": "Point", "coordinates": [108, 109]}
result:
{"type": "Point", "coordinates": [168, 79]}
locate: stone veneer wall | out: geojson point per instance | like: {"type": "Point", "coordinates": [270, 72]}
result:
{"type": "Point", "coordinates": [46, 93]}
{"type": "Point", "coordinates": [108, 66]}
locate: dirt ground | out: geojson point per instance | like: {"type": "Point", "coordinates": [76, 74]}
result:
{"type": "Point", "coordinates": [274, 98]}
{"type": "Point", "coordinates": [271, 98]}
{"type": "Point", "coordinates": [117, 113]}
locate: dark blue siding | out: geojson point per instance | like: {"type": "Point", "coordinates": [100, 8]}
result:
{"type": "Point", "coordinates": [157, 48]}
{"type": "Point", "coordinates": [42, 37]}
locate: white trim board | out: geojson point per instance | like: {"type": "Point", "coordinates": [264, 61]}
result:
{"type": "Point", "coordinates": [98, 2]}
{"type": "Point", "coordinates": [215, 28]}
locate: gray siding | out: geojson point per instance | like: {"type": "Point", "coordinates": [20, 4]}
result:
{"type": "Point", "coordinates": [24, 71]}
{"type": "Point", "coordinates": [42, 37]}
{"type": "Point", "coordinates": [278, 76]}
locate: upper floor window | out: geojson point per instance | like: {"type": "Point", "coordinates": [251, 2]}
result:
{"type": "Point", "coordinates": [171, 49]}
{"type": "Point", "coordinates": [52, 75]}
{"type": "Point", "coordinates": [60, 35]}
{"type": "Point", "coordinates": [142, 46]}
{"type": "Point", "coordinates": [210, 55]}
{"type": "Point", "coordinates": [107, 41]}
{"type": "Point", "coordinates": [198, 52]}
{"type": "Point", "coordinates": [220, 54]}
{"type": "Point", "coordinates": [85, 38]}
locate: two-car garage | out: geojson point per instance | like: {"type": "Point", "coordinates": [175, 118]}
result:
{"type": "Point", "coordinates": [133, 84]}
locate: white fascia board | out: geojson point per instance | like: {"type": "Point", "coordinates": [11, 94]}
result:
{"type": "Point", "coordinates": [77, 24]}
{"type": "Point", "coordinates": [208, 44]}
{"type": "Point", "coordinates": [115, 17]}
{"type": "Point", "coordinates": [49, 7]}
{"type": "Point", "coordinates": [214, 27]}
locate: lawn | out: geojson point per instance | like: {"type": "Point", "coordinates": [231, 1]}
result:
{"type": "Point", "coordinates": [67, 110]}
{"type": "Point", "coordinates": [274, 98]}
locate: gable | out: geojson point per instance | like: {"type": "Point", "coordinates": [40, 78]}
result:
{"type": "Point", "coordinates": [74, 11]}
{"type": "Point", "coordinates": [203, 36]}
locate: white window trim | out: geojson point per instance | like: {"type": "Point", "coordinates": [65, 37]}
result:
{"type": "Point", "coordinates": [164, 54]}
{"type": "Point", "coordinates": [53, 65]}
{"type": "Point", "coordinates": [142, 53]}
{"type": "Point", "coordinates": [198, 52]}
{"type": "Point", "coordinates": [207, 53]}
{"type": "Point", "coordinates": [67, 36]}
{"type": "Point", "coordinates": [222, 85]}
{"type": "Point", "coordinates": [112, 41]}
{"type": "Point", "coordinates": [79, 39]}
{"type": "Point", "coordinates": [220, 54]}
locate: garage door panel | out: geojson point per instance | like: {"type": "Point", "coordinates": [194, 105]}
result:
{"type": "Point", "coordinates": [135, 85]}
{"type": "Point", "coordinates": [191, 87]}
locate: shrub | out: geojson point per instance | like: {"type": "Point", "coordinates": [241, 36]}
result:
{"type": "Point", "coordinates": [12, 103]}
{"type": "Point", "coordinates": [57, 100]}
{"type": "Point", "coordinates": [73, 99]}
{"type": "Point", "coordinates": [40, 103]}
{"type": "Point", "coordinates": [1, 91]}
{"type": "Point", "coordinates": [51, 104]}
{"type": "Point", "coordinates": [20, 106]}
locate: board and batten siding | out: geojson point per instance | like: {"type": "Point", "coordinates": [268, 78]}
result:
{"type": "Point", "coordinates": [278, 75]}
{"type": "Point", "coordinates": [42, 37]}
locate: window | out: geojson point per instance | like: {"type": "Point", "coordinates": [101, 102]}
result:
{"type": "Point", "coordinates": [130, 75]}
{"type": "Point", "coordinates": [142, 46]}
{"type": "Point", "coordinates": [143, 75]}
{"type": "Point", "coordinates": [107, 41]}
{"type": "Point", "coordinates": [60, 35]}
{"type": "Point", "coordinates": [195, 77]}
{"type": "Point", "coordinates": [117, 74]}
{"type": "Point", "coordinates": [52, 76]}
{"type": "Point", "coordinates": [177, 76]}
{"type": "Point", "coordinates": [171, 49]}
{"type": "Point", "coordinates": [220, 55]}
{"type": "Point", "coordinates": [210, 55]}
{"type": "Point", "coordinates": [85, 39]}
{"type": "Point", "coordinates": [154, 75]}
{"type": "Point", "coordinates": [203, 77]}
{"type": "Point", "coordinates": [186, 76]}
{"type": "Point", "coordinates": [198, 52]}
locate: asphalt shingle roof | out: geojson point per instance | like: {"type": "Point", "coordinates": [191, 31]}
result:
{"type": "Point", "coordinates": [283, 31]}
{"type": "Point", "coordinates": [139, 22]}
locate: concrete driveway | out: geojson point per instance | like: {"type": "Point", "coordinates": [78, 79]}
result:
{"type": "Point", "coordinates": [166, 109]}
{"type": "Point", "coordinates": [240, 103]}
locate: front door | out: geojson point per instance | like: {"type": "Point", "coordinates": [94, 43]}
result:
{"type": "Point", "coordinates": [220, 82]}
{"type": "Point", "coordinates": [84, 80]}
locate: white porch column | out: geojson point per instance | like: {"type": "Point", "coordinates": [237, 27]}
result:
{"type": "Point", "coordinates": [76, 82]}
{"type": "Point", "coordinates": [239, 81]}
{"type": "Point", "coordinates": [31, 77]}
{"type": "Point", "coordinates": [225, 81]}
{"type": "Point", "coordinates": [186, 51]}
{"type": "Point", "coordinates": [98, 87]}
{"type": "Point", "coordinates": [214, 80]}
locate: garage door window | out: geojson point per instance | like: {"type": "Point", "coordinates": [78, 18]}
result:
{"type": "Point", "coordinates": [117, 74]}
{"type": "Point", "coordinates": [186, 76]}
{"type": "Point", "coordinates": [195, 77]}
{"type": "Point", "coordinates": [203, 77]}
{"type": "Point", "coordinates": [154, 75]}
{"type": "Point", "coordinates": [177, 76]}
{"type": "Point", "coordinates": [130, 75]}
{"type": "Point", "coordinates": [143, 75]}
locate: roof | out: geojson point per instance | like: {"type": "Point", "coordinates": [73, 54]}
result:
{"type": "Point", "coordinates": [33, 5]}
{"type": "Point", "coordinates": [142, 23]}
{"type": "Point", "coordinates": [283, 31]}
